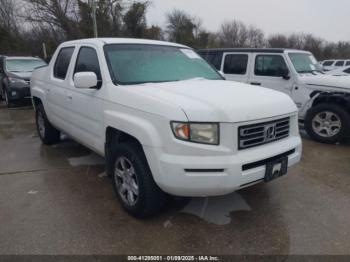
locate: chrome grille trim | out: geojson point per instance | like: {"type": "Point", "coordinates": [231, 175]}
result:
{"type": "Point", "coordinates": [263, 133]}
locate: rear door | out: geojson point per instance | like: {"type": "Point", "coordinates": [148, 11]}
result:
{"type": "Point", "coordinates": [85, 105]}
{"type": "Point", "coordinates": [56, 91]}
{"type": "Point", "coordinates": [235, 66]}
{"type": "Point", "coordinates": [268, 71]}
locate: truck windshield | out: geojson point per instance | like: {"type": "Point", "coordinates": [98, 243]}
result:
{"type": "Point", "coordinates": [137, 63]}
{"type": "Point", "coordinates": [304, 63]}
{"type": "Point", "coordinates": [23, 65]}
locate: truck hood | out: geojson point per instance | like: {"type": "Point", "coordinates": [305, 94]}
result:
{"type": "Point", "coordinates": [326, 81]}
{"type": "Point", "coordinates": [220, 101]}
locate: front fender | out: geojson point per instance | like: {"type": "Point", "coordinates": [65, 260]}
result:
{"type": "Point", "coordinates": [303, 110]}
{"type": "Point", "coordinates": [143, 128]}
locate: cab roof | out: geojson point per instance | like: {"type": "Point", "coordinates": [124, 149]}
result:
{"type": "Point", "coordinates": [249, 50]}
{"type": "Point", "coordinates": [104, 41]}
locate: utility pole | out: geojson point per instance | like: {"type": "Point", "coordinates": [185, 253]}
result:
{"type": "Point", "coordinates": [93, 5]}
{"type": "Point", "coordinates": [44, 51]}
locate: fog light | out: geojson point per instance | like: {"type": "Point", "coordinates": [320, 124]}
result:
{"type": "Point", "coordinates": [13, 93]}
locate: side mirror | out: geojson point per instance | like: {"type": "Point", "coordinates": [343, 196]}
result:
{"type": "Point", "coordinates": [285, 74]}
{"type": "Point", "coordinates": [85, 80]}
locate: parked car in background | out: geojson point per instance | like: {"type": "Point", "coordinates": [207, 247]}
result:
{"type": "Point", "coordinates": [15, 73]}
{"type": "Point", "coordinates": [329, 65]}
{"type": "Point", "coordinates": [340, 72]}
{"type": "Point", "coordinates": [164, 119]}
{"type": "Point", "coordinates": [323, 100]}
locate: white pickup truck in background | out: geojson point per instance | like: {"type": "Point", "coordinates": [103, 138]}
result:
{"type": "Point", "coordinates": [323, 100]}
{"type": "Point", "coordinates": [165, 120]}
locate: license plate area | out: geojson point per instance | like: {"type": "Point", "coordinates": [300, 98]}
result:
{"type": "Point", "coordinates": [276, 168]}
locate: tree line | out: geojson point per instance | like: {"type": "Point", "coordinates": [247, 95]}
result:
{"type": "Point", "coordinates": [26, 24]}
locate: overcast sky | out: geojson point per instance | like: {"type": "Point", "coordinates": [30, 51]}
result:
{"type": "Point", "coordinates": [329, 19]}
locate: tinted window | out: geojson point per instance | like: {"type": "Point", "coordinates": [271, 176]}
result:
{"type": "Point", "coordinates": [339, 63]}
{"type": "Point", "coordinates": [87, 61]}
{"type": "Point", "coordinates": [214, 59]}
{"type": "Point", "coordinates": [347, 71]}
{"type": "Point", "coordinates": [236, 64]}
{"type": "Point", "coordinates": [62, 62]}
{"type": "Point", "coordinates": [270, 65]}
{"type": "Point", "coordinates": [328, 63]}
{"type": "Point", "coordinates": [348, 63]}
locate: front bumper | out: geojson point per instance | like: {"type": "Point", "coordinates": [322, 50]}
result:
{"type": "Point", "coordinates": [216, 175]}
{"type": "Point", "coordinates": [18, 93]}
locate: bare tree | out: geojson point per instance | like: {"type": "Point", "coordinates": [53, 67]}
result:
{"type": "Point", "coordinates": [236, 34]}
{"type": "Point", "coordinates": [135, 19]}
{"type": "Point", "coordinates": [8, 16]}
{"type": "Point", "coordinates": [180, 27]}
{"type": "Point", "coordinates": [278, 41]}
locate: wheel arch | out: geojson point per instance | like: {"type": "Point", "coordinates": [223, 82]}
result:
{"type": "Point", "coordinates": [339, 99]}
{"type": "Point", "coordinates": [114, 137]}
{"type": "Point", "coordinates": [36, 102]}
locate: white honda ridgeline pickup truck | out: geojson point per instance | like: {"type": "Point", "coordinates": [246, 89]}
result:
{"type": "Point", "coordinates": [323, 100]}
{"type": "Point", "coordinates": [164, 119]}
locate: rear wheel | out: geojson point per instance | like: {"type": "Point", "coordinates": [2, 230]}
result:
{"type": "Point", "coordinates": [327, 123]}
{"type": "Point", "coordinates": [47, 133]}
{"type": "Point", "coordinates": [133, 181]}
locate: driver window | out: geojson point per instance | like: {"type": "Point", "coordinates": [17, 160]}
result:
{"type": "Point", "coordinates": [87, 61]}
{"type": "Point", "coordinates": [270, 65]}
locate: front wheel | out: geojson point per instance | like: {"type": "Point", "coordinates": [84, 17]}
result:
{"type": "Point", "coordinates": [327, 123]}
{"type": "Point", "coordinates": [133, 181]}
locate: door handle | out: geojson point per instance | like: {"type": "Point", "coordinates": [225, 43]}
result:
{"type": "Point", "coordinates": [255, 84]}
{"type": "Point", "coordinates": [70, 97]}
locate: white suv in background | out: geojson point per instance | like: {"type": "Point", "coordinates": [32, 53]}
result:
{"type": "Point", "coordinates": [165, 120]}
{"type": "Point", "coordinates": [323, 100]}
{"type": "Point", "coordinates": [329, 65]}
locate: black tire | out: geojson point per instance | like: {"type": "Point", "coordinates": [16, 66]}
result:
{"type": "Point", "coordinates": [8, 103]}
{"type": "Point", "coordinates": [49, 135]}
{"type": "Point", "coordinates": [340, 113]}
{"type": "Point", "coordinates": [150, 199]}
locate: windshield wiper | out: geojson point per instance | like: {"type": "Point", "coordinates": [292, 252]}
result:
{"type": "Point", "coordinates": [310, 72]}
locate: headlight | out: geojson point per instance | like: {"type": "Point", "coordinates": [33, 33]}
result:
{"type": "Point", "coordinates": [17, 81]}
{"type": "Point", "coordinates": [203, 133]}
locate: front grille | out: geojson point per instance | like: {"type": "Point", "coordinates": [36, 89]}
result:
{"type": "Point", "coordinates": [263, 133]}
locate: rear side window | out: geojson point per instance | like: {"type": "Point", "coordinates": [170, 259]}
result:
{"type": "Point", "coordinates": [348, 63]}
{"type": "Point", "coordinates": [328, 63]}
{"type": "Point", "coordinates": [214, 59]}
{"type": "Point", "coordinates": [236, 64]}
{"type": "Point", "coordinates": [87, 61]}
{"type": "Point", "coordinates": [340, 63]}
{"type": "Point", "coordinates": [62, 62]}
{"type": "Point", "coordinates": [270, 65]}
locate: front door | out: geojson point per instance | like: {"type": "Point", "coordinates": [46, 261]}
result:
{"type": "Point", "coordinates": [271, 71]}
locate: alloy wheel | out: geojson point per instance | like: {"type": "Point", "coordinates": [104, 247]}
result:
{"type": "Point", "coordinates": [126, 181]}
{"type": "Point", "coordinates": [326, 124]}
{"type": "Point", "coordinates": [41, 124]}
